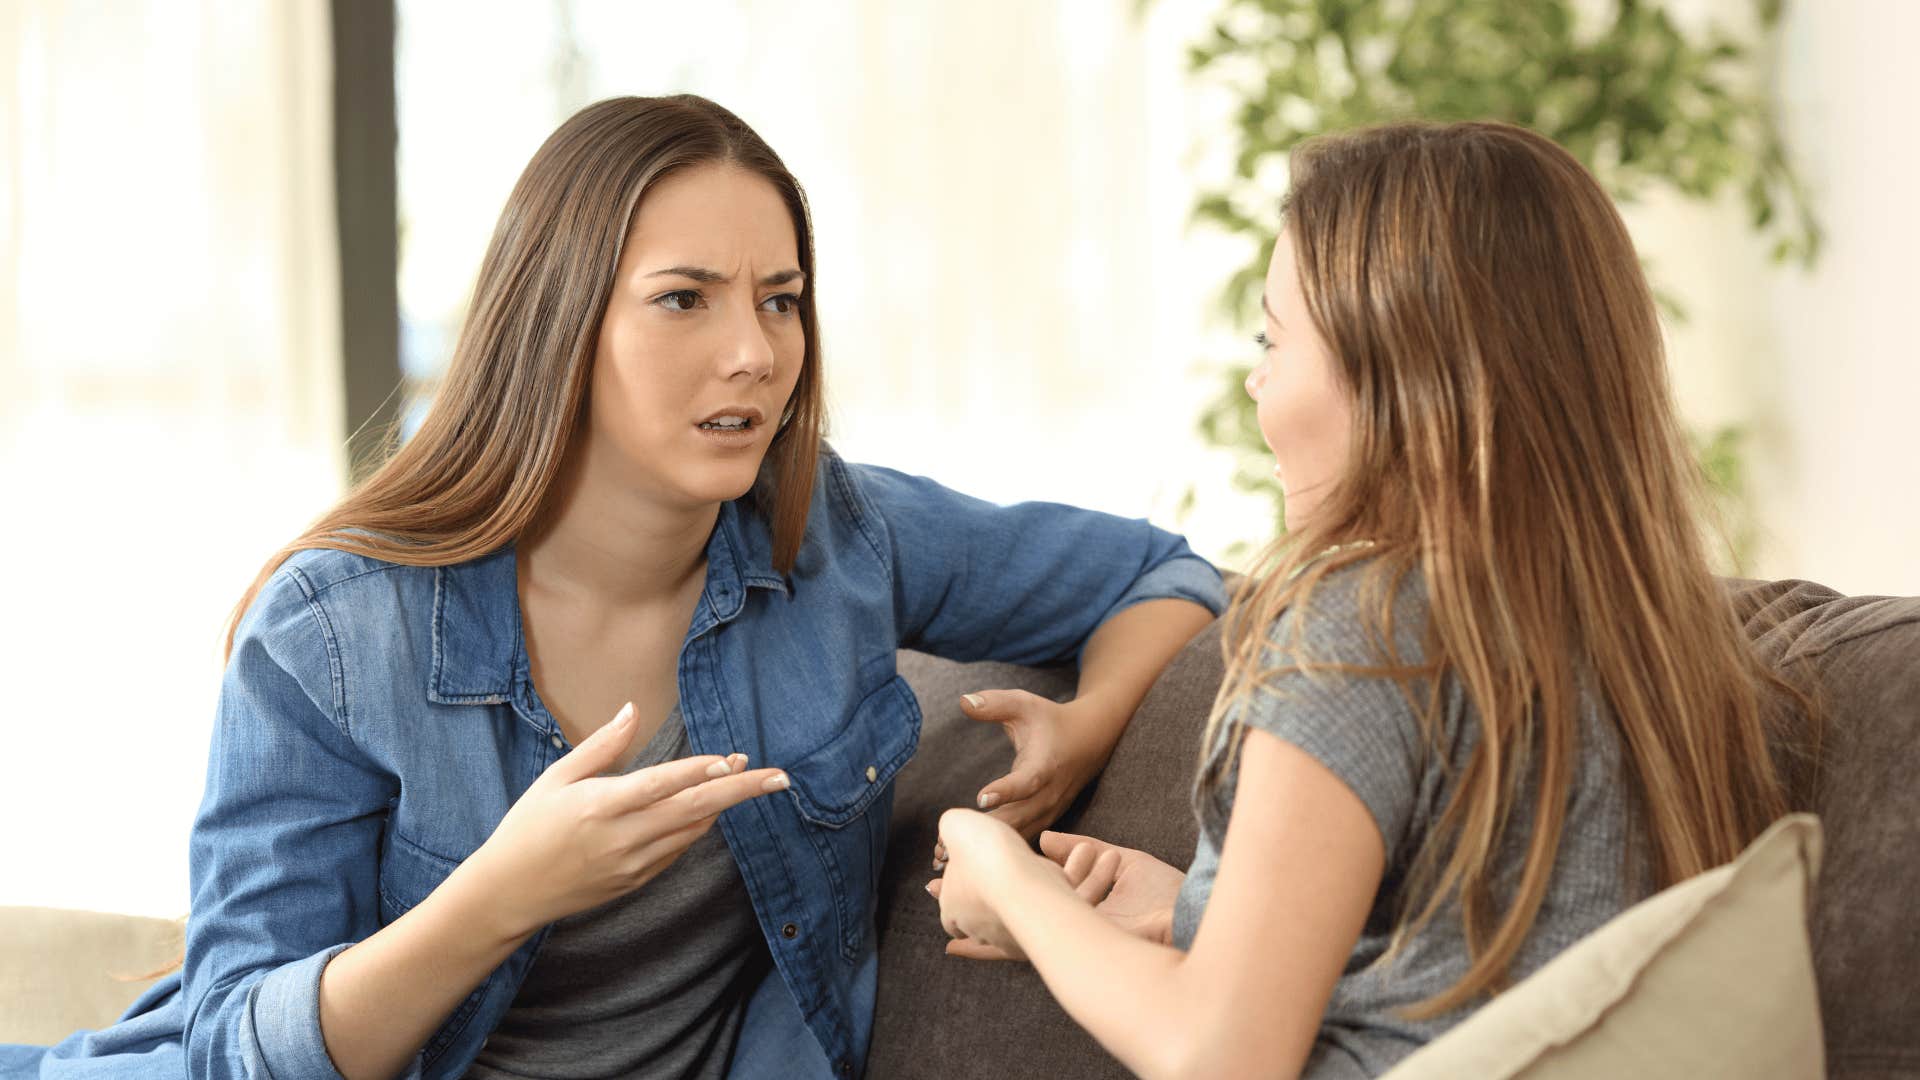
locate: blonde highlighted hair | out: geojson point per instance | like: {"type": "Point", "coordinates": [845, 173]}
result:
{"type": "Point", "coordinates": [1514, 443]}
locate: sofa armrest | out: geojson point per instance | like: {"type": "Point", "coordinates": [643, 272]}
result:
{"type": "Point", "coordinates": [63, 971]}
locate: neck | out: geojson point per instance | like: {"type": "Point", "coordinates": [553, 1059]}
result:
{"type": "Point", "coordinates": [602, 539]}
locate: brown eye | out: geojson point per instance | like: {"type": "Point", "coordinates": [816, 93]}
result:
{"type": "Point", "coordinates": [679, 300]}
{"type": "Point", "coordinates": [783, 304]}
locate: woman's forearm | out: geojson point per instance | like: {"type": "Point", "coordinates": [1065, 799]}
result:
{"type": "Point", "coordinates": [382, 998]}
{"type": "Point", "coordinates": [1126, 654]}
{"type": "Point", "coordinates": [1124, 990]}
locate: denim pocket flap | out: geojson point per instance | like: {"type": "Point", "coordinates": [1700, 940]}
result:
{"type": "Point", "coordinates": [835, 784]}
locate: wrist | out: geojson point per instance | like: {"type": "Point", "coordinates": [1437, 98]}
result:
{"type": "Point", "coordinates": [1030, 890]}
{"type": "Point", "coordinates": [471, 897]}
{"type": "Point", "coordinates": [1093, 726]}
{"type": "Point", "coordinates": [1098, 708]}
{"type": "Point", "coordinates": [1032, 873]}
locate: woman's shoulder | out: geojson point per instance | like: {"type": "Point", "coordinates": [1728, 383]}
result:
{"type": "Point", "coordinates": [317, 571]}
{"type": "Point", "coordinates": [347, 594]}
{"type": "Point", "coordinates": [863, 504]}
{"type": "Point", "coordinates": [1369, 609]}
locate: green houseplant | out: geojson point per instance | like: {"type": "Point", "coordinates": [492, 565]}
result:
{"type": "Point", "coordinates": [1641, 101]}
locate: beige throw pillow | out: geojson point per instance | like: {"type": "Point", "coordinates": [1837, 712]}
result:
{"type": "Point", "coordinates": [61, 971]}
{"type": "Point", "coordinates": [1710, 978]}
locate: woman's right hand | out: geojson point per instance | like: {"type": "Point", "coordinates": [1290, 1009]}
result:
{"type": "Point", "coordinates": [1130, 887]}
{"type": "Point", "coordinates": [578, 839]}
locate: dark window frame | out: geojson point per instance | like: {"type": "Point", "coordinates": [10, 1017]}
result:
{"type": "Point", "coordinates": [365, 141]}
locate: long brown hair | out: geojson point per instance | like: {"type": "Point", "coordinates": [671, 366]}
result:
{"type": "Point", "coordinates": [1514, 444]}
{"type": "Point", "coordinates": [478, 472]}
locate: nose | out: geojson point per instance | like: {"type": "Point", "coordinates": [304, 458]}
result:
{"type": "Point", "coordinates": [749, 354]}
{"type": "Point", "coordinates": [1256, 379]}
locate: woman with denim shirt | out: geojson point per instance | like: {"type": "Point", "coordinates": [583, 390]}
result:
{"type": "Point", "coordinates": [425, 851]}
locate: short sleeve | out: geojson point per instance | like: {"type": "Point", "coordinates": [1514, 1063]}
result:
{"type": "Point", "coordinates": [1364, 728]}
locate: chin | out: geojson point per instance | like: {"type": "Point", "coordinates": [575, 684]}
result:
{"type": "Point", "coordinates": [722, 481]}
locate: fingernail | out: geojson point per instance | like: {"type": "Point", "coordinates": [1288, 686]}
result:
{"type": "Point", "coordinates": [974, 700]}
{"type": "Point", "coordinates": [624, 715]}
{"type": "Point", "coordinates": [776, 783]}
{"type": "Point", "coordinates": [929, 888]}
{"type": "Point", "coordinates": [738, 762]}
{"type": "Point", "coordinates": [939, 865]}
{"type": "Point", "coordinates": [719, 769]}
{"type": "Point", "coordinates": [989, 800]}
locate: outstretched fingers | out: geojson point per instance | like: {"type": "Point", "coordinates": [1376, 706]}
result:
{"type": "Point", "coordinates": [656, 784]}
{"type": "Point", "coordinates": [713, 797]}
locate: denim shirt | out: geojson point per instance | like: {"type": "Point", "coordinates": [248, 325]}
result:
{"type": "Point", "coordinates": [377, 721]}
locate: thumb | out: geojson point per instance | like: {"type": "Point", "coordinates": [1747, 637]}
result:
{"type": "Point", "coordinates": [597, 752]}
{"type": "Point", "coordinates": [1021, 783]}
{"type": "Point", "coordinates": [992, 706]}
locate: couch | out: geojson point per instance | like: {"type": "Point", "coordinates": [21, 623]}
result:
{"type": "Point", "coordinates": [948, 1018]}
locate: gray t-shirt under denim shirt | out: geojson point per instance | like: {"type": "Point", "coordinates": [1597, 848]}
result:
{"type": "Point", "coordinates": [652, 984]}
{"type": "Point", "coordinates": [1366, 732]}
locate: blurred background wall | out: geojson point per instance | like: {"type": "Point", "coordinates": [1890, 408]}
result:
{"type": "Point", "coordinates": [1012, 297]}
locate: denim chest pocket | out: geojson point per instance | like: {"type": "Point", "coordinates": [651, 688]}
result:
{"type": "Point", "coordinates": [842, 792]}
{"type": "Point", "coordinates": [408, 874]}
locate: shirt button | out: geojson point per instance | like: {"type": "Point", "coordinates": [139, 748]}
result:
{"type": "Point", "coordinates": [846, 1067]}
{"type": "Point", "coordinates": [557, 742]}
{"type": "Point", "coordinates": [789, 931]}
{"type": "Point", "coordinates": [872, 774]}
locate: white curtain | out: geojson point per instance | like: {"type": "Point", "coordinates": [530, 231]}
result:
{"type": "Point", "coordinates": [169, 407]}
{"type": "Point", "coordinates": [1011, 300]}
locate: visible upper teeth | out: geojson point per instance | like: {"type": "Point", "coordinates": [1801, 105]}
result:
{"type": "Point", "coordinates": [725, 422]}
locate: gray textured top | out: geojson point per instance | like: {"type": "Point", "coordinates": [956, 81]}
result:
{"type": "Point", "coordinates": [1365, 731]}
{"type": "Point", "coordinates": [651, 984]}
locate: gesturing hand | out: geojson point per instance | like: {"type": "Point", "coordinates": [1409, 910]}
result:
{"type": "Point", "coordinates": [577, 839]}
{"type": "Point", "coordinates": [1130, 887]}
{"type": "Point", "coordinates": [1054, 756]}
{"type": "Point", "coordinates": [985, 854]}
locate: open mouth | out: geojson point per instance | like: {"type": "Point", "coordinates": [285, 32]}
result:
{"type": "Point", "coordinates": [736, 418]}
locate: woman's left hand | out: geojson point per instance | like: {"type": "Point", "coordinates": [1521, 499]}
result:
{"type": "Point", "coordinates": [1057, 750]}
{"type": "Point", "coordinates": [985, 855]}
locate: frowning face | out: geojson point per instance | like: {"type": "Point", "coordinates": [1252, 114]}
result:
{"type": "Point", "coordinates": [702, 341]}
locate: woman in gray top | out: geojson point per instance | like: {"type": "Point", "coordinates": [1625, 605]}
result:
{"type": "Point", "coordinates": [1486, 693]}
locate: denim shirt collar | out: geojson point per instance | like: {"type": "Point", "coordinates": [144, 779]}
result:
{"type": "Point", "coordinates": [478, 647]}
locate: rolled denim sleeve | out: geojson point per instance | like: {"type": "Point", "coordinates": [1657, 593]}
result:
{"type": "Point", "coordinates": [285, 848]}
{"type": "Point", "coordinates": [1026, 584]}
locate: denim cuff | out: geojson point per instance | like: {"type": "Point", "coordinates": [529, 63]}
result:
{"type": "Point", "coordinates": [1185, 577]}
{"type": "Point", "coordinates": [286, 1021]}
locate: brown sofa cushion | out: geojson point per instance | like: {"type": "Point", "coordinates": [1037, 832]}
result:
{"type": "Point", "coordinates": [943, 1017]}
{"type": "Point", "coordinates": [940, 1017]}
{"type": "Point", "coordinates": [1862, 654]}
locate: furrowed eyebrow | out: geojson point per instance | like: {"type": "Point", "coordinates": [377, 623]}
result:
{"type": "Point", "coordinates": [715, 277]}
{"type": "Point", "coordinates": [697, 273]}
